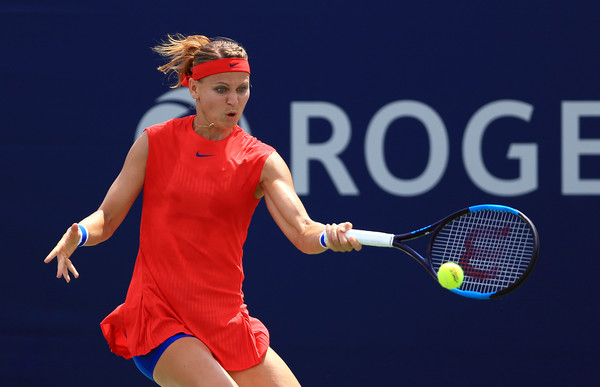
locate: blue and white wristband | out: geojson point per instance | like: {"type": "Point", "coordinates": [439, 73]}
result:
{"type": "Point", "coordinates": [322, 240]}
{"type": "Point", "coordinates": [84, 235]}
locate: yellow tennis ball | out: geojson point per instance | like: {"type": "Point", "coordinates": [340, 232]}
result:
{"type": "Point", "coordinates": [450, 275]}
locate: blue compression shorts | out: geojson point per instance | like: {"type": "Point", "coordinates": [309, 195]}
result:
{"type": "Point", "coordinates": [147, 362]}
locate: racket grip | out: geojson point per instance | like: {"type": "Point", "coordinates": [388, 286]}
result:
{"type": "Point", "coordinates": [368, 238]}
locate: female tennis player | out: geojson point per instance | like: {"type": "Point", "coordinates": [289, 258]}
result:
{"type": "Point", "coordinates": [184, 321]}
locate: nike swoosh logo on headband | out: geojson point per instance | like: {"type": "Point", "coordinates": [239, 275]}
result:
{"type": "Point", "coordinates": [201, 155]}
{"type": "Point", "coordinates": [233, 64]}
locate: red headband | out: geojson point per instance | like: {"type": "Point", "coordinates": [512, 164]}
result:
{"type": "Point", "coordinates": [218, 66]}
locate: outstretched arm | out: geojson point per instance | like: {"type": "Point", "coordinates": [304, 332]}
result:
{"type": "Point", "coordinates": [102, 223]}
{"type": "Point", "coordinates": [290, 215]}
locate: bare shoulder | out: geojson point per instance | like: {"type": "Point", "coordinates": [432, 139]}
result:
{"type": "Point", "coordinates": [141, 144]}
{"type": "Point", "coordinates": [275, 165]}
{"type": "Point", "coordinates": [274, 170]}
{"type": "Point", "coordinates": [138, 153]}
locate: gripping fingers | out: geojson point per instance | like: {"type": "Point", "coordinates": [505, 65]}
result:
{"type": "Point", "coordinates": [356, 245]}
{"type": "Point", "coordinates": [337, 239]}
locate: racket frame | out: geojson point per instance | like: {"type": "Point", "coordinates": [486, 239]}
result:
{"type": "Point", "coordinates": [378, 239]}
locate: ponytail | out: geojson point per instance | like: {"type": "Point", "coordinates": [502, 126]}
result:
{"type": "Point", "coordinates": [183, 53]}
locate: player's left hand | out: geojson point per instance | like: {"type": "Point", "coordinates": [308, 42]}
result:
{"type": "Point", "coordinates": [337, 239]}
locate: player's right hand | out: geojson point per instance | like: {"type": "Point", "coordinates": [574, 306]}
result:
{"type": "Point", "coordinates": [63, 251]}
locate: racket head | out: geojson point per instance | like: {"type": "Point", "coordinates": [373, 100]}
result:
{"type": "Point", "coordinates": [496, 246]}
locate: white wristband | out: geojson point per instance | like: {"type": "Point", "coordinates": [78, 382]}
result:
{"type": "Point", "coordinates": [322, 240]}
{"type": "Point", "coordinates": [84, 235]}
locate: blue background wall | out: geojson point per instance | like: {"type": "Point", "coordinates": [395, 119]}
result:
{"type": "Point", "coordinates": [77, 78]}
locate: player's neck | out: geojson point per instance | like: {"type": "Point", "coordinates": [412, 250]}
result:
{"type": "Point", "coordinates": [210, 131]}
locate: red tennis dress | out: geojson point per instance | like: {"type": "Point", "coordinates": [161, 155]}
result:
{"type": "Point", "coordinates": [198, 202]}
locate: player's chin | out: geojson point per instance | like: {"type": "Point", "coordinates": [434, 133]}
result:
{"type": "Point", "coordinates": [229, 122]}
{"type": "Point", "coordinates": [226, 125]}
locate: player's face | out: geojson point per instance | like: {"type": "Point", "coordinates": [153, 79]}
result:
{"type": "Point", "coordinates": [221, 98]}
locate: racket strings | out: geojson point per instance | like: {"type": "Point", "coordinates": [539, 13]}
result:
{"type": "Point", "coordinates": [494, 248]}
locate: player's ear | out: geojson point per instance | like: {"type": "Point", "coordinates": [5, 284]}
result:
{"type": "Point", "coordinates": [193, 86]}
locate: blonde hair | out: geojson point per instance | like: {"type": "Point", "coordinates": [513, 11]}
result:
{"type": "Point", "coordinates": [184, 52]}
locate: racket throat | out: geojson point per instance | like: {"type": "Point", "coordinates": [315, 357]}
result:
{"type": "Point", "coordinates": [416, 256]}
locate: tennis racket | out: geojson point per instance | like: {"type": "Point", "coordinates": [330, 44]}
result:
{"type": "Point", "coordinates": [496, 246]}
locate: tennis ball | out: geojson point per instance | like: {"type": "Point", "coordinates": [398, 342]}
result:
{"type": "Point", "coordinates": [450, 275]}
